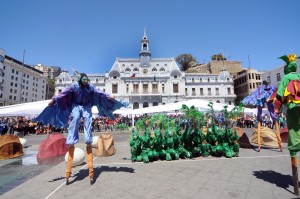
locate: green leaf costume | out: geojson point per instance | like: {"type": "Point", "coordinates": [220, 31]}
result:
{"type": "Point", "coordinates": [287, 96]}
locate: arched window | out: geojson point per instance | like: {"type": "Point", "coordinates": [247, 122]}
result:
{"type": "Point", "coordinates": [135, 105]}
{"type": "Point", "coordinates": [155, 104]}
{"type": "Point", "coordinates": [145, 104]}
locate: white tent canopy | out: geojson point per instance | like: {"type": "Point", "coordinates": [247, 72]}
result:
{"type": "Point", "coordinates": [25, 109]}
{"type": "Point", "coordinates": [32, 109]}
{"type": "Point", "coordinates": [202, 105]}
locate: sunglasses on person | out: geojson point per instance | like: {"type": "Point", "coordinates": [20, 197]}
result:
{"type": "Point", "coordinates": [85, 79]}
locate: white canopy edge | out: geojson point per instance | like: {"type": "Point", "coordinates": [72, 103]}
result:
{"type": "Point", "coordinates": [35, 108]}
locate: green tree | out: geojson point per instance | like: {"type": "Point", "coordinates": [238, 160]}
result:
{"type": "Point", "coordinates": [218, 57]}
{"type": "Point", "coordinates": [51, 81]}
{"type": "Point", "coordinates": [184, 61]}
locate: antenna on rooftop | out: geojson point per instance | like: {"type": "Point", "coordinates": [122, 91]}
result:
{"type": "Point", "coordinates": [23, 57]}
{"type": "Point", "coordinates": [76, 73]}
{"type": "Point", "coordinates": [291, 50]}
{"type": "Point", "coordinates": [248, 62]}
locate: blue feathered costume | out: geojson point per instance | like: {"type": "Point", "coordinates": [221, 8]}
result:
{"type": "Point", "coordinates": [259, 97]}
{"type": "Point", "coordinates": [77, 101]}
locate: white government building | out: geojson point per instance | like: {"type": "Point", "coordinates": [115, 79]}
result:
{"type": "Point", "coordinates": [147, 81]}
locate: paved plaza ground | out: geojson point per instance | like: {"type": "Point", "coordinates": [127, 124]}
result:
{"type": "Point", "coordinates": [265, 174]}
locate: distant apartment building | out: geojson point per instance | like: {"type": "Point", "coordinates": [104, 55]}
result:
{"type": "Point", "coordinates": [2, 57]}
{"type": "Point", "coordinates": [274, 76]}
{"type": "Point", "coordinates": [20, 82]}
{"type": "Point", "coordinates": [50, 72]}
{"type": "Point", "coordinates": [245, 82]}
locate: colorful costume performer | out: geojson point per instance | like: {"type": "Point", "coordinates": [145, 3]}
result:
{"type": "Point", "coordinates": [259, 97]}
{"type": "Point", "coordinates": [288, 94]}
{"type": "Point", "coordinates": [264, 94]}
{"type": "Point", "coordinates": [78, 100]}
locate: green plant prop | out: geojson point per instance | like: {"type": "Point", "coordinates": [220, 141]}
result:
{"type": "Point", "coordinates": [121, 126]}
{"type": "Point", "coordinates": [171, 153]}
{"type": "Point", "coordinates": [136, 146]}
{"type": "Point", "coordinates": [170, 142]}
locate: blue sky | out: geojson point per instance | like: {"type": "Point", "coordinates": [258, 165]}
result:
{"type": "Point", "coordinates": [88, 35]}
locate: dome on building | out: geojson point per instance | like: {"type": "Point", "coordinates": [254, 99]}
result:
{"type": "Point", "coordinates": [224, 74]}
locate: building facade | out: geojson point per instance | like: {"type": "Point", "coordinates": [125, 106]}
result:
{"type": "Point", "coordinates": [147, 81]}
{"type": "Point", "coordinates": [274, 76]}
{"type": "Point", "coordinates": [245, 82]}
{"type": "Point", "coordinates": [2, 57]}
{"type": "Point", "coordinates": [50, 72]}
{"type": "Point", "coordinates": [20, 82]}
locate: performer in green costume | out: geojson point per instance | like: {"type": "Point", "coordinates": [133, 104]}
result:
{"type": "Point", "coordinates": [288, 94]}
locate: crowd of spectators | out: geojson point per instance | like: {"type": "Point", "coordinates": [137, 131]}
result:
{"type": "Point", "coordinates": [251, 121]}
{"type": "Point", "coordinates": [22, 126]}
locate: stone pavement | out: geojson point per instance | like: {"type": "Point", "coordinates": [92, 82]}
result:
{"type": "Point", "coordinates": [265, 174]}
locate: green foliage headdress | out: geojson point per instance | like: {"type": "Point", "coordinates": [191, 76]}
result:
{"type": "Point", "coordinates": [291, 64]}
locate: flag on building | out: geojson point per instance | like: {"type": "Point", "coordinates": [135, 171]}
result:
{"type": "Point", "coordinates": [132, 76]}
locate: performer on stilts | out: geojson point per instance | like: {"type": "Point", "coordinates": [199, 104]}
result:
{"type": "Point", "coordinates": [76, 101]}
{"type": "Point", "coordinates": [288, 94]}
{"type": "Point", "coordinates": [261, 96]}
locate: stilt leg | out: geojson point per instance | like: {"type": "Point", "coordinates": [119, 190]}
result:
{"type": "Point", "coordinates": [295, 175]}
{"type": "Point", "coordinates": [69, 163]}
{"type": "Point", "coordinates": [278, 135]}
{"type": "Point", "coordinates": [258, 136]}
{"type": "Point", "coordinates": [89, 159]}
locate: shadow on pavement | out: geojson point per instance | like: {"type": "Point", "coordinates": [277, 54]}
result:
{"type": "Point", "coordinates": [280, 180]}
{"type": "Point", "coordinates": [57, 179]}
{"type": "Point", "coordinates": [80, 175]}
